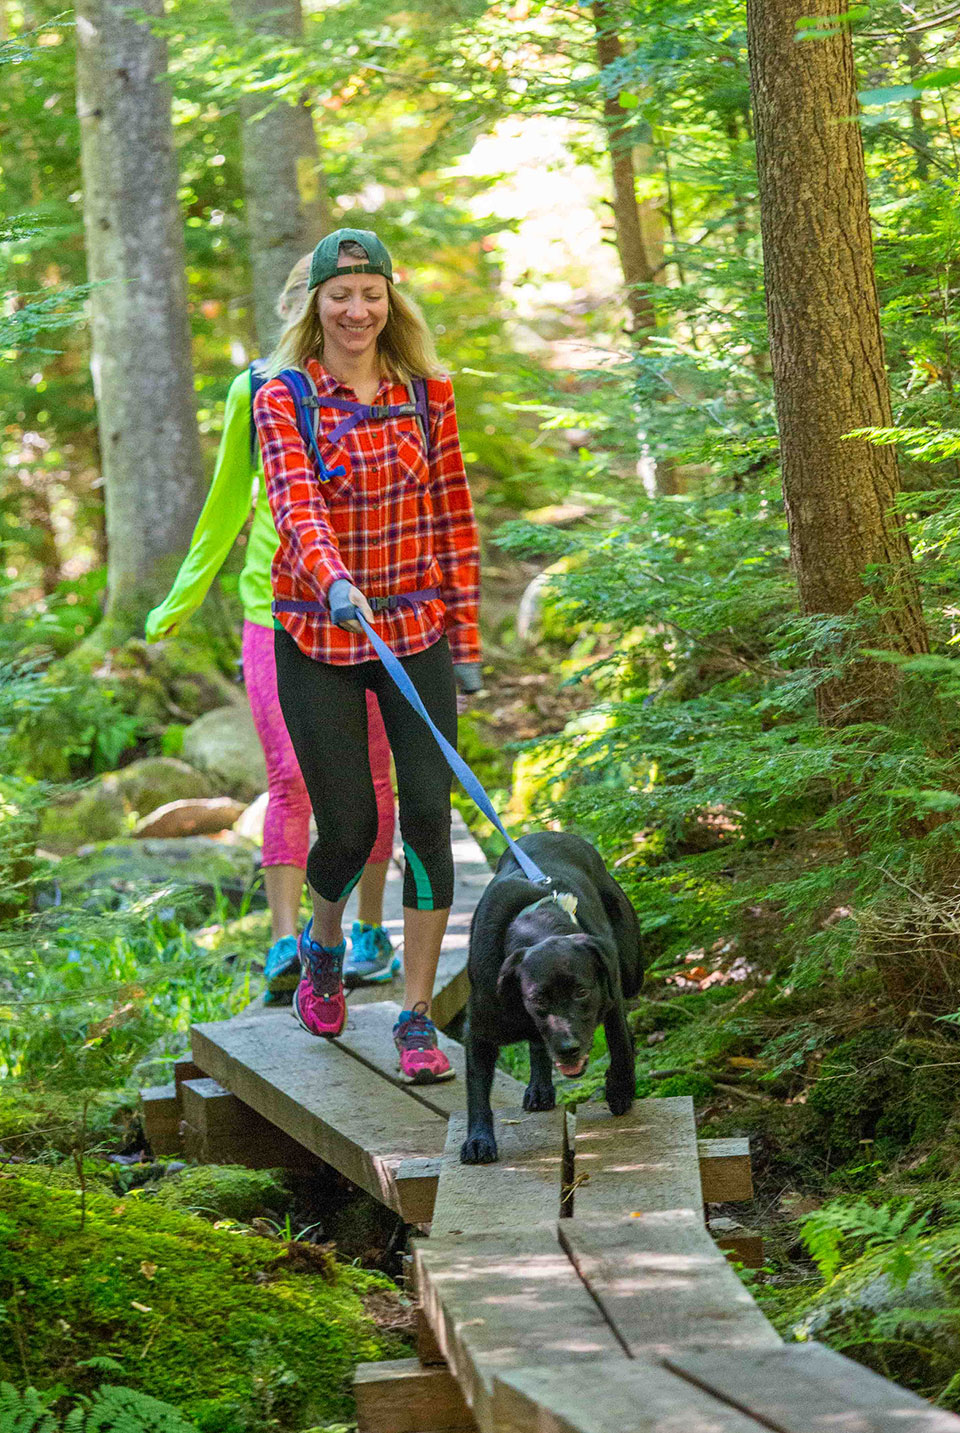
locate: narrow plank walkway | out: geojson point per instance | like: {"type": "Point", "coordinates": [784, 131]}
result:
{"type": "Point", "coordinates": [572, 1287]}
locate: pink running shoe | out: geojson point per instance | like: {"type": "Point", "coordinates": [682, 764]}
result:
{"type": "Point", "coordinates": [318, 1001]}
{"type": "Point", "coordinates": [415, 1036]}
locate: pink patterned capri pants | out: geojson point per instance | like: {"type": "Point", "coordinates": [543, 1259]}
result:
{"type": "Point", "coordinates": [286, 831]}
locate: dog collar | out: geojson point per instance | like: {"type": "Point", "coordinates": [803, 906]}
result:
{"type": "Point", "coordinates": [563, 899]}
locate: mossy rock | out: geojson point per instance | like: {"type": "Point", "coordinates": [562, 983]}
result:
{"type": "Point", "coordinates": [902, 1324]}
{"type": "Point", "coordinates": [224, 743]}
{"type": "Point", "coordinates": [195, 869]}
{"type": "Point", "coordinates": [219, 1324]}
{"type": "Point", "coordinates": [108, 807]}
{"type": "Point", "coordinates": [226, 1191]}
{"type": "Point", "coordinates": [878, 1089]}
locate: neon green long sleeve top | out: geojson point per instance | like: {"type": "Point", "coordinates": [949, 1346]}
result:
{"type": "Point", "coordinates": [218, 527]}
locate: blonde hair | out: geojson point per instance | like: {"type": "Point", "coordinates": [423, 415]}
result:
{"type": "Point", "coordinates": [294, 295]}
{"type": "Point", "coordinates": [405, 347]}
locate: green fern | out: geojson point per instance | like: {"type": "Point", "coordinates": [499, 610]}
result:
{"type": "Point", "coordinates": [122, 1410]}
{"type": "Point", "coordinates": [839, 1229]}
{"type": "Point", "coordinates": [109, 1410]}
{"type": "Point", "coordinates": [24, 1412]}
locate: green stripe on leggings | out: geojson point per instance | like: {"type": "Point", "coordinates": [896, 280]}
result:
{"type": "Point", "coordinates": [421, 880]}
{"type": "Point", "coordinates": [350, 885]}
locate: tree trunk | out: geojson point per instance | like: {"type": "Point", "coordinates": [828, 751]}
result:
{"type": "Point", "coordinates": [142, 372]}
{"type": "Point", "coordinates": [286, 202]}
{"type": "Point", "coordinates": [826, 346]}
{"type": "Point", "coordinates": [632, 243]}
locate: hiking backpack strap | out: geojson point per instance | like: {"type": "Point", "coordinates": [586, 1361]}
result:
{"type": "Point", "coordinates": [306, 405]}
{"type": "Point", "coordinates": [258, 377]}
{"type": "Point", "coordinates": [417, 393]}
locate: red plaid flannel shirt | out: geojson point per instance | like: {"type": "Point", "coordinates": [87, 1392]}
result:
{"type": "Point", "coordinates": [391, 524]}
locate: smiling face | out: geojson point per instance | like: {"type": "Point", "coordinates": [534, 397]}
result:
{"type": "Point", "coordinates": [353, 310]}
{"type": "Point", "coordinates": [562, 989]}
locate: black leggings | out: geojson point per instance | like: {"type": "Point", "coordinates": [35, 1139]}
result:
{"type": "Point", "coordinates": [325, 709]}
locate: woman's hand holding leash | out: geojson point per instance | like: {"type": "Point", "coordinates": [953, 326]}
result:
{"type": "Point", "coordinates": [344, 600]}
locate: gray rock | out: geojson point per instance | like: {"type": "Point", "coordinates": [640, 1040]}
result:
{"type": "Point", "coordinates": [224, 744]}
{"type": "Point", "coordinates": [194, 869]}
{"type": "Point", "coordinates": [107, 807]}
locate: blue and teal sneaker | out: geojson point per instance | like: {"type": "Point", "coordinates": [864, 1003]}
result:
{"type": "Point", "coordinates": [281, 971]}
{"type": "Point", "coordinates": [372, 961]}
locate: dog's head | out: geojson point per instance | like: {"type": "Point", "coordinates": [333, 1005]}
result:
{"type": "Point", "coordinates": [565, 987]}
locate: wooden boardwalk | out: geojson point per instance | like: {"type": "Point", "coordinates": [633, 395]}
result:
{"type": "Point", "coordinates": [570, 1288]}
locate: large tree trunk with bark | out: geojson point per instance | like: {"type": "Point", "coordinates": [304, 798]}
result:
{"type": "Point", "coordinates": [286, 202]}
{"type": "Point", "coordinates": [826, 350]}
{"type": "Point", "coordinates": [826, 346]}
{"type": "Point", "coordinates": [142, 371]}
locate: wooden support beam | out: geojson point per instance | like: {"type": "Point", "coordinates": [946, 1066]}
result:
{"type": "Point", "coordinates": [327, 1101]}
{"type": "Point", "coordinates": [662, 1284]}
{"type": "Point", "coordinates": [428, 1350]}
{"type": "Point", "coordinates": [401, 1396]}
{"type": "Point", "coordinates": [217, 1128]}
{"type": "Point", "coordinates": [807, 1388]}
{"type": "Point", "coordinates": [725, 1172]}
{"type": "Point", "coordinates": [503, 1301]}
{"type": "Point", "coordinates": [518, 1192]}
{"type": "Point", "coordinates": [160, 1111]}
{"type": "Point", "coordinates": [741, 1246]}
{"type": "Point", "coordinates": [186, 1069]}
{"type": "Point", "coordinates": [642, 1161]}
{"type": "Point", "coordinates": [609, 1397]}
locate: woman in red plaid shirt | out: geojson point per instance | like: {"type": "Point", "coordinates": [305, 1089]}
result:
{"type": "Point", "coordinates": [384, 514]}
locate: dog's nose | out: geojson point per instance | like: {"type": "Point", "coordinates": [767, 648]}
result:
{"type": "Point", "coordinates": [569, 1050]}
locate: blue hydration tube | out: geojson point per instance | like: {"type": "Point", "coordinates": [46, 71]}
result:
{"type": "Point", "coordinates": [455, 761]}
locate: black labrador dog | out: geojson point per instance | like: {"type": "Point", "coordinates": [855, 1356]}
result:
{"type": "Point", "coordinates": [548, 965]}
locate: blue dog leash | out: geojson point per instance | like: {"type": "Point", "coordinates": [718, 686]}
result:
{"type": "Point", "coordinates": [455, 761]}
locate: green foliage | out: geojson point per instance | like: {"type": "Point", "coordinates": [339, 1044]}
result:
{"type": "Point", "coordinates": [219, 1324]}
{"type": "Point", "coordinates": [225, 1192]}
{"type": "Point", "coordinates": [832, 1232]}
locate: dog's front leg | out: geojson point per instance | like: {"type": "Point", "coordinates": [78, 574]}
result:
{"type": "Point", "coordinates": [480, 1145]}
{"type": "Point", "coordinates": [621, 1077]}
{"type": "Point", "coordinates": [539, 1094]}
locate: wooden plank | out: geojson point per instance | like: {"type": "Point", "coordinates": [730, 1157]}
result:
{"type": "Point", "coordinates": [639, 1162]}
{"type": "Point", "coordinates": [369, 1037]}
{"type": "Point", "coordinates": [807, 1388]}
{"type": "Point", "coordinates": [416, 1183]}
{"type": "Point", "coordinates": [185, 1069]}
{"type": "Point", "coordinates": [609, 1397]}
{"type": "Point", "coordinates": [217, 1128]}
{"type": "Point", "coordinates": [725, 1172]}
{"type": "Point", "coordinates": [160, 1110]}
{"type": "Point", "coordinates": [663, 1284]}
{"type": "Point", "coordinates": [323, 1098]}
{"type": "Point", "coordinates": [518, 1192]}
{"type": "Point", "coordinates": [741, 1246]}
{"type": "Point", "coordinates": [503, 1301]}
{"type": "Point", "coordinates": [451, 986]}
{"type": "Point", "coordinates": [401, 1396]}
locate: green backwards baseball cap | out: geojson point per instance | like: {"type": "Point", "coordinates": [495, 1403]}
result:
{"type": "Point", "coordinates": [324, 263]}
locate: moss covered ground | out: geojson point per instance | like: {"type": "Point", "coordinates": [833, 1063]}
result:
{"type": "Point", "coordinates": [229, 1328]}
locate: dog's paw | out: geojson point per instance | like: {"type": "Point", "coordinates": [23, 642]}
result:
{"type": "Point", "coordinates": [619, 1096]}
{"type": "Point", "coordinates": [479, 1149]}
{"type": "Point", "coordinates": [539, 1097]}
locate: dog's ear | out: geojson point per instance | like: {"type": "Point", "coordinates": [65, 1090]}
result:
{"type": "Point", "coordinates": [604, 968]}
{"type": "Point", "coordinates": [509, 968]}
